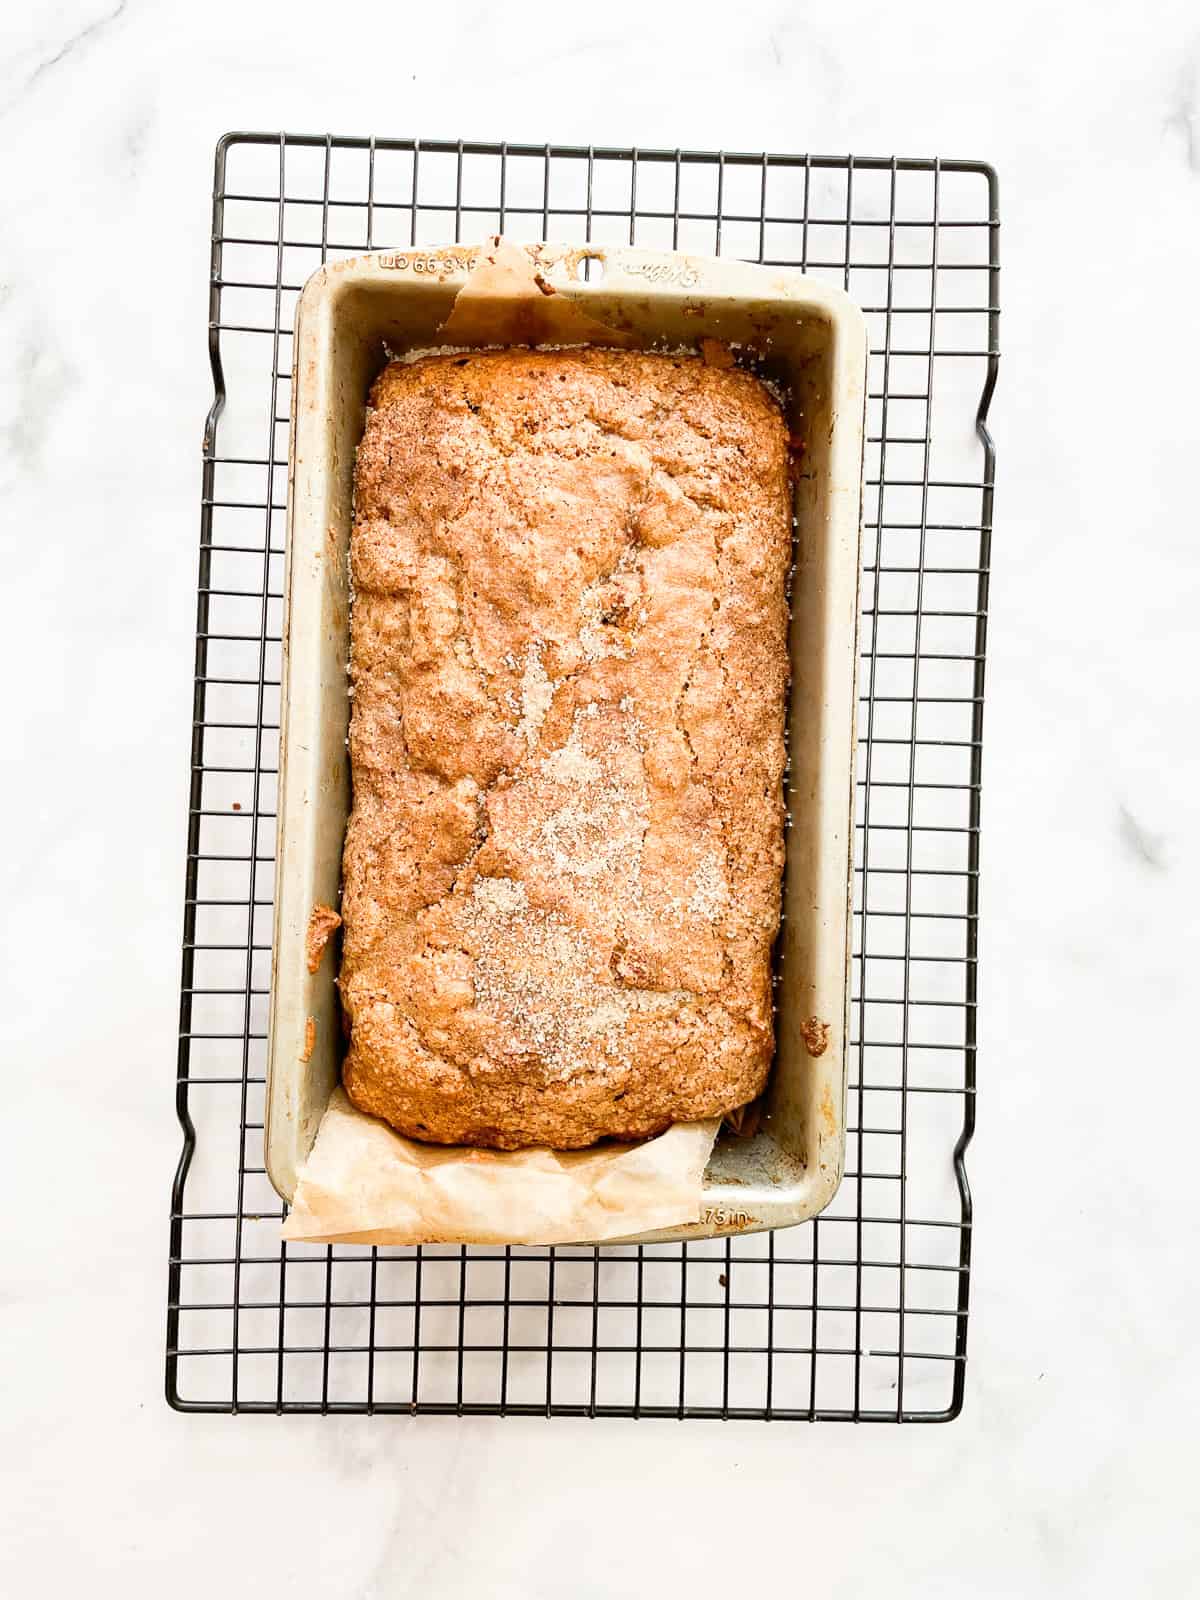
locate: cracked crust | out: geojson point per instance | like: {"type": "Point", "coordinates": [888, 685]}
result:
{"type": "Point", "coordinates": [562, 869]}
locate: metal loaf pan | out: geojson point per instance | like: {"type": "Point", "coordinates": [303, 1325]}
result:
{"type": "Point", "coordinates": [812, 340]}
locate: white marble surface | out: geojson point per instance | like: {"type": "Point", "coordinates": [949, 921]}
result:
{"type": "Point", "coordinates": [1068, 1473]}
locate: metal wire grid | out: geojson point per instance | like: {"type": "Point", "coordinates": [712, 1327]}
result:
{"type": "Point", "coordinates": [860, 1314]}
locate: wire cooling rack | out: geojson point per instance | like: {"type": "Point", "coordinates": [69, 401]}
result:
{"type": "Point", "coordinates": [860, 1314]}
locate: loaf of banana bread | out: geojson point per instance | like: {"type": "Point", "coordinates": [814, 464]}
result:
{"type": "Point", "coordinates": [569, 663]}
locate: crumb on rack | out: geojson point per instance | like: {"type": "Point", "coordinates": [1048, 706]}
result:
{"type": "Point", "coordinates": [310, 1038]}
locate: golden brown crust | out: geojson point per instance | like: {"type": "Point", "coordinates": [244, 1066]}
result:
{"type": "Point", "coordinates": [568, 659]}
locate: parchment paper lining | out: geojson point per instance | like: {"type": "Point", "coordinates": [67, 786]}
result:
{"type": "Point", "coordinates": [364, 1183]}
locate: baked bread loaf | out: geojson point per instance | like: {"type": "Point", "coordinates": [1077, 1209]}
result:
{"type": "Point", "coordinates": [562, 869]}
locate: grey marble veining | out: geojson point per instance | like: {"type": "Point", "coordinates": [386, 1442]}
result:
{"type": "Point", "coordinates": [76, 41]}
